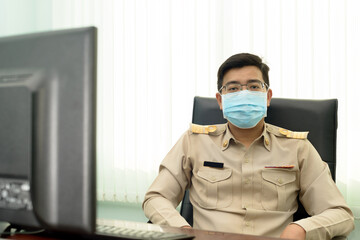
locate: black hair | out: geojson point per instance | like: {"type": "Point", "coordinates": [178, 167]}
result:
{"type": "Point", "coordinates": [241, 60]}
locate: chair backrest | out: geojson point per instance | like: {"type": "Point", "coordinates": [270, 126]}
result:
{"type": "Point", "coordinates": [319, 117]}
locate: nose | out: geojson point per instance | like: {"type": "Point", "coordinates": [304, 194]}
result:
{"type": "Point", "coordinates": [243, 87]}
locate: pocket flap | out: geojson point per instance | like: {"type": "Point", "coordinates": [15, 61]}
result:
{"type": "Point", "coordinates": [215, 175]}
{"type": "Point", "coordinates": [279, 177]}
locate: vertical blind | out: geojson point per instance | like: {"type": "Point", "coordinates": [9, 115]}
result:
{"type": "Point", "coordinates": [154, 56]}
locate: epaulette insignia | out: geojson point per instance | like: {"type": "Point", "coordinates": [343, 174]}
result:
{"type": "Point", "coordinates": [291, 134]}
{"type": "Point", "coordinates": [195, 128]}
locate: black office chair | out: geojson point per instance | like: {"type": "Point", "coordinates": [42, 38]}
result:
{"type": "Point", "coordinates": [319, 117]}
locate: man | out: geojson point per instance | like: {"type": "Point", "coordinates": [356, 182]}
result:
{"type": "Point", "coordinates": [245, 176]}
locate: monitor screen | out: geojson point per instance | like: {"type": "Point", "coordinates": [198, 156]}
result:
{"type": "Point", "coordinates": [48, 130]}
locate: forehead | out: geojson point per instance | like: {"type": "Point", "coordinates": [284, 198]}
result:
{"type": "Point", "coordinates": [243, 74]}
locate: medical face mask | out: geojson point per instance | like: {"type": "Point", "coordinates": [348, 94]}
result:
{"type": "Point", "coordinates": [244, 109]}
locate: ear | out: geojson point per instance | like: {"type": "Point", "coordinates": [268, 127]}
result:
{"type": "Point", "coordinates": [269, 96]}
{"type": "Point", "coordinates": [219, 100]}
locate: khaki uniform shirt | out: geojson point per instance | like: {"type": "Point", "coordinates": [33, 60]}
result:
{"type": "Point", "coordinates": [254, 191]}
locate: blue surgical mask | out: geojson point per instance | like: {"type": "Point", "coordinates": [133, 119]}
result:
{"type": "Point", "coordinates": [245, 108]}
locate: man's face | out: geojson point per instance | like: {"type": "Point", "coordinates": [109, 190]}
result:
{"type": "Point", "coordinates": [243, 76]}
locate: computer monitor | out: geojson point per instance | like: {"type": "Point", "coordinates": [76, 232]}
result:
{"type": "Point", "coordinates": [48, 130]}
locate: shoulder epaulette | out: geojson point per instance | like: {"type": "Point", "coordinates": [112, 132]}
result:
{"type": "Point", "coordinates": [291, 134]}
{"type": "Point", "coordinates": [204, 129]}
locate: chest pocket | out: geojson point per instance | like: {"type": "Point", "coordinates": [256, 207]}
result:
{"type": "Point", "coordinates": [214, 188]}
{"type": "Point", "coordinates": [279, 189]}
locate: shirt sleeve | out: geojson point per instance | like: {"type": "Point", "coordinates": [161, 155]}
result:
{"type": "Point", "coordinates": [167, 190]}
{"type": "Point", "coordinates": [330, 215]}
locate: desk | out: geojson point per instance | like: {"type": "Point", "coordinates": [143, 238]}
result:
{"type": "Point", "coordinates": [199, 234]}
{"type": "Point", "coordinates": [210, 235]}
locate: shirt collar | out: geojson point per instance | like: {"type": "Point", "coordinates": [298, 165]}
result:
{"type": "Point", "coordinates": [266, 137]}
{"type": "Point", "coordinates": [228, 137]}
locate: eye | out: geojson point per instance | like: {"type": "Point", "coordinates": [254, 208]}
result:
{"type": "Point", "coordinates": [232, 88]}
{"type": "Point", "coordinates": [255, 86]}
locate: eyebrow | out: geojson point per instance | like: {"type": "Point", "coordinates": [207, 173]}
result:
{"type": "Point", "coordinates": [250, 80]}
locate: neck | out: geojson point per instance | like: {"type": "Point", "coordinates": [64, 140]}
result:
{"type": "Point", "coordinates": [247, 135]}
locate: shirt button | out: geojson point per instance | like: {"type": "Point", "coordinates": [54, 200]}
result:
{"type": "Point", "coordinates": [247, 224]}
{"type": "Point", "coordinates": [267, 141]}
{"type": "Point", "coordinates": [212, 128]}
{"type": "Point", "coordinates": [246, 160]}
{"type": "Point", "coordinates": [280, 180]}
{"type": "Point", "coordinates": [225, 144]}
{"type": "Point", "coordinates": [284, 131]}
{"type": "Point", "coordinates": [213, 178]}
{"type": "Point", "coordinates": [247, 181]}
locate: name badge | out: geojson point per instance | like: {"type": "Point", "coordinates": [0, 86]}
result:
{"type": "Point", "coordinates": [214, 164]}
